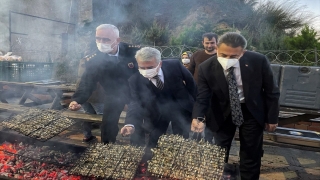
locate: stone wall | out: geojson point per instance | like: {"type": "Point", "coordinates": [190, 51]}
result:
{"type": "Point", "coordinates": [39, 28]}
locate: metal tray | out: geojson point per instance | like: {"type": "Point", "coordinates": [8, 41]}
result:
{"type": "Point", "coordinates": [296, 136]}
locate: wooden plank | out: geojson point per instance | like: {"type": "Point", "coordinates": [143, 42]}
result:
{"type": "Point", "coordinates": [297, 110]}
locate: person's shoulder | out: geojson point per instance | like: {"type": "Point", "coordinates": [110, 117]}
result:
{"type": "Point", "coordinates": [94, 59]}
{"type": "Point", "coordinates": [253, 54]}
{"type": "Point", "coordinates": [90, 56]}
{"type": "Point", "coordinates": [171, 62]}
{"type": "Point", "coordinates": [129, 47]}
{"type": "Point", "coordinates": [199, 52]}
{"type": "Point", "coordinates": [208, 62]}
{"type": "Point", "coordinates": [134, 77]}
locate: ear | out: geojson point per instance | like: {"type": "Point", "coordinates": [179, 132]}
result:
{"type": "Point", "coordinates": [118, 40]}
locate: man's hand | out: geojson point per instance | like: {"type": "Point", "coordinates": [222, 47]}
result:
{"type": "Point", "coordinates": [270, 127]}
{"type": "Point", "coordinates": [197, 126]}
{"type": "Point", "coordinates": [74, 106]}
{"type": "Point", "coordinates": [127, 130]}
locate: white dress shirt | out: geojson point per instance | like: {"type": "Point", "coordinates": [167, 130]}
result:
{"type": "Point", "coordinates": [237, 74]}
{"type": "Point", "coordinates": [161, 76]}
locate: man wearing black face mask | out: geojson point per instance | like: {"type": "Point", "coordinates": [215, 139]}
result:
{"type": "Point", "coordinates": [239, 87]}
{"type": "Point", "coordinates": [111, 67]}
{"type": "Point", "coordinates": [163, 91]}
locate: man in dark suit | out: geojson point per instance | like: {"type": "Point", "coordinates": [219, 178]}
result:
{"type": "Point", "coordinates": [163, 91]}
{"type": "Point", "coordinates": [240, 86]}
{"type": "Point", "coordinates": [111, 66]}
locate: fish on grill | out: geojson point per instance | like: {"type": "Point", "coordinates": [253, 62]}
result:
{"type": "Point", "coordinates": [109, 161]}
{"type": "Point", "coordinates": [40, 124]}
{"type": "Point", "coordinates": [179, 158]}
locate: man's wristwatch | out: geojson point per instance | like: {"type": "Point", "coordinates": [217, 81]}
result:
{"type": "Point", "coordinates": [201, 119]}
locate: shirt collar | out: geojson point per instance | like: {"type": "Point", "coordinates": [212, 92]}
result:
{"type": "Point", "coordinates": [237, 64]}
{"type": "Point", "coordinates": [117, 54]}
{"type": "Point", "coordinates": [160, 73]}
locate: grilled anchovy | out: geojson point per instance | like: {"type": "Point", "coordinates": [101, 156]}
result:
{"type": "Point", "coordinates": [179, 158]}
{"type": "Point", "coordinates": [109, 161]}
{"type": "Point", "coordinates": [39, 123]}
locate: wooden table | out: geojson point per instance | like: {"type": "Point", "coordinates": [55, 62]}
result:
{"type": "Point", "coordinates": [55, 91]}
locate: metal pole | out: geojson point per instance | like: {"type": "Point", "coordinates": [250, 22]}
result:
{"type": "Point", "coordinates": [10, 31]}
{"type": "Point", "coordinates": [315, 56]}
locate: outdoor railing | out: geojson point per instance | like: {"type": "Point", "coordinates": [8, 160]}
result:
{"type": "Point", "coordinates": [285, 57]}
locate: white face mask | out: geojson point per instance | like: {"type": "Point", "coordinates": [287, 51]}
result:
{"type": "Point", "coordinates": [104, 48]}
{"type": "Point", "coordinates": [149, 73]}
{"type": "Point", "coordinates": [185, 61]}
{"type": "Point", "coordinates": [227, 63]}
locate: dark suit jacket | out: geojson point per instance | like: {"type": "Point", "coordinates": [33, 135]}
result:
{"type": "Point", "coordinates": [144, 99]}
{"type": "Point", "coordinates": [112, 74]}
{"type": "Point", "coordinates": [260, 90]}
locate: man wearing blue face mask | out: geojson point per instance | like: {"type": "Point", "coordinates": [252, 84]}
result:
{"type": "Point", "coordinates": [110, 66]}
{"type": "Point", "coordinates": [161, 92]}
{"type": "Point", "coordinates": [238, 86]}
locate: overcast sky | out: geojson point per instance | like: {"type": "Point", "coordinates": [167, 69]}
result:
{"type": "Point", "coordinates": [310, 6]}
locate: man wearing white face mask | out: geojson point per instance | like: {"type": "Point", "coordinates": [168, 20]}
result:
{"type": "Point", "coordinates": [239, 87]}
{"type": "Point", "coordinates": [110, 66]}
{"type": "Point", "coordinates": [161, 92]}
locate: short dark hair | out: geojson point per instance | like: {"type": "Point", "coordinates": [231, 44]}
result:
{"type": "Point", "coordinates": [210, 35]}
{"type": "Point", "coordinates": [233, 39]}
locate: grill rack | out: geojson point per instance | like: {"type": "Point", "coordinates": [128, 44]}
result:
{"type": "Point", "coordinates": [39, 124]}
{"type": "Point", "coordinates": [109, 161]}
{"type": "Point", "coordinates": [179, 158]}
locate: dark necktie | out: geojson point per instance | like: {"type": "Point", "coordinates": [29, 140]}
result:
{"type": "Point", "coordinates": [237, 117]}
{"type": "Point", "coordinates": [159, 82]}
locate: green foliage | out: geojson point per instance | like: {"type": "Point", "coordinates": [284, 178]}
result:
{"type": "Point", "coordinates": [307, 39]}
{"type": "Point", "coordinates": [156, 35]}
{"type": "Point", "coordinates": [305, 42]}
{"type": "Point", "coordinates": [190, 36]}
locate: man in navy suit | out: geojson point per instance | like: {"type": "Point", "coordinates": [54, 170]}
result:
{"type": "Point", "coordinates": [162, 91]}
{"type": "Point", "coordinates": [238, 86]}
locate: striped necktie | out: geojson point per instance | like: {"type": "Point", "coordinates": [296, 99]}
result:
{"type": "Point", "coordinates": [236, 112]}
{"type": "Point", "coordinates": [158, 82]}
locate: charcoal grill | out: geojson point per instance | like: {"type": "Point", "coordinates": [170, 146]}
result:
{"type": "Point", "coordinates": [179, 158]}
{"type": "Point", "coordinates": [38, 123]}
{"type": "Point", "coordinates": [41, 154]}
{"type": "Point", "coordinates": [109, 161]}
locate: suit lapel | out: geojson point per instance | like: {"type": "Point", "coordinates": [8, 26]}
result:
{"type": "Point", "coordinates": [221, 80]}
{"type": "Point", "coordinates": [166, 73]}
{"type": "Point", "coordinates": [246, 70]}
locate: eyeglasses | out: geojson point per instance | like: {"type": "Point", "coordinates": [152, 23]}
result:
{"type": "Point", "coordinates": [103, 40]}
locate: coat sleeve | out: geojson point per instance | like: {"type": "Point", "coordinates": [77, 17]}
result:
{"type": "Point", "coordinates": [203, 97]}
{"type": "Point", "coordinates": [189, 81]}
{"type": "Point", "coordinates": [135, 110]}
{"type": "Point", "coordinates": [271, 92]}
{"type": "Point", "coordinates": [87, 85]}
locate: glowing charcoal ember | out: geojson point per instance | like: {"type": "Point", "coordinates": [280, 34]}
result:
{"type": "Point", "coordinates": [179, 158]}
{"type": "Point", "coordinates": [22, 167]}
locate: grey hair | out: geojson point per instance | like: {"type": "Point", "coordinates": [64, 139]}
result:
{"type": "Point", "coordinates": [147, 53]}
{"type": "Point", "coordinates": [109, 26]}
{"type": "Point", "coordinates": [233, 39]}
